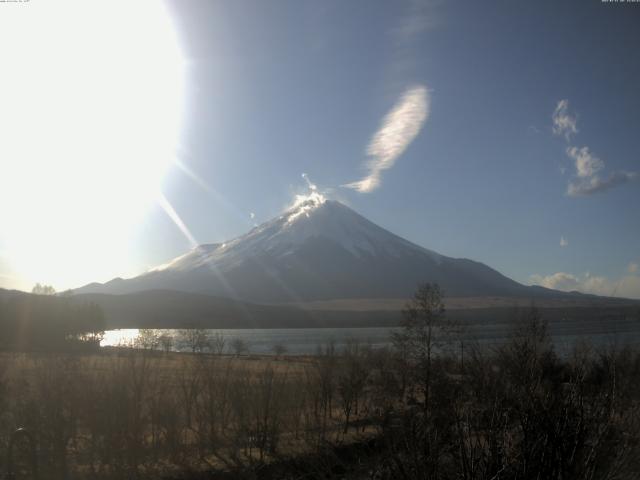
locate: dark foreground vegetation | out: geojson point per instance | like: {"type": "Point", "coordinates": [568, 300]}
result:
{"type": "Point", "coordinates": [429, 408]}
{"type": "Point", "coordinates": [44, 322]}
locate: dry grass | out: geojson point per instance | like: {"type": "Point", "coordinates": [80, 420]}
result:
{"type": "Point", "coordinates": [134, 414]}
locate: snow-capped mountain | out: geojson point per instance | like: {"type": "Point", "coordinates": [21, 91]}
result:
{"type": "Point", "coordinates": [319, 249]}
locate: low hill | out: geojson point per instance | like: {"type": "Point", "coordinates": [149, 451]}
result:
{"type": "Point", "coordinates": [172, 309]}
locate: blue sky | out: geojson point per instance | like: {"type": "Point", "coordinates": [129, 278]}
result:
{"type": "Point", "coordinates": [276, 89]}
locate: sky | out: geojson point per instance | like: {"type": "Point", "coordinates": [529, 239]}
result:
{"type": "Point", "coordinates": [504, 132]}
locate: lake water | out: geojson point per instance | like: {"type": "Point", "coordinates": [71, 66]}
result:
{"type": "Point", "coordinates": [261, 341]}
{"type": "Point", "coordinates": [302, 341]}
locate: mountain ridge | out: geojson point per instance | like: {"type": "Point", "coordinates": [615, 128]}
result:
{"type": "Point", "coordinates": [319, 250]}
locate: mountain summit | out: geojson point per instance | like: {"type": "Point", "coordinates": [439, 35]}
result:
{"type": "Point", "coordinates": [319, 249]}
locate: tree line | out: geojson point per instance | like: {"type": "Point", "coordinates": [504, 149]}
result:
{"type": "Point", "coordinates": [44, 322]}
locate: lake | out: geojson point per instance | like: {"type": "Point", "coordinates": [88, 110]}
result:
{"type": "Point", "coordinates": [301, 341]}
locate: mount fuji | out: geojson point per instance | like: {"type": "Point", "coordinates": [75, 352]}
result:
{"type": "Point", "coordinates": [318, 250]}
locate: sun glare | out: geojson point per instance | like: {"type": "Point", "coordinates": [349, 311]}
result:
{"type": "Point", "coordinates": [90, 110]}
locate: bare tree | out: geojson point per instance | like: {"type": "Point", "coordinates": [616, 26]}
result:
{"type": "Point", "coordinates": [148, 339]}
{"type": "Point", "coordinates": [267, 396]}
{"type": "Point", "coordinates": [196, 339]}
{"type": "Point", "coordinates": [425, 331]}
{"type": "Point", "coordinates": [351, 383]}
{"type": "Point", "coordinates": [325, 366]}
{"type": "Point", "coordinates": [39, 289]}
{"type": "Point", "coordinates": [166, 342]}
{"type": "Point", "coordinates": [239, 346]}
{"type": "Point", "coordinates": [279, 349]}
{"type": "Point", "coordinates": [218, 343]}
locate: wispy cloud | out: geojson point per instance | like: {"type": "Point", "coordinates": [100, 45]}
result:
{"type": "Point", "coordinates": [563, 241]}
{"type": "Point", "coordinates": [596, 184]}
{"type": "Point", "coordinates": [398, 129]}
{"type": "Point", "coordinates": [564, 123]}
{"type": "Point", "coordinates": [415, 19]}
{"type": "Point", "coordinates": [420, 16]}
{"type": "Point", "coordinates": [587, 179]}
{"type": "Point", "coordinates": [312, 186]}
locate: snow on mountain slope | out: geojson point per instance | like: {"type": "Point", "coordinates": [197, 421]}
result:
{"type": "Point", "coordinates": [319, 249]}
{"type": "Point", "coordinates": [314, 218]}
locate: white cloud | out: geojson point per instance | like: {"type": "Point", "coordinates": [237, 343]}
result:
{"type": "Point", "coordinates": [627, 286]}
{"type": "Point", "coordinates": [586, 163]}
{"type": "Point", "coordinates": [563, 122]}
{"type": "Point", "coordinates": [398, 129]}
{"type": "Point", "coordinates": [563, 241]}
{"type": "Point", "coordinates": [558, 281]}
{"type": "Point", "coordinates": [632, 268]}
{"type": "Point", "coordinates": [252, 215]}
{"type": "Point", "coordinates": [587, 179]}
